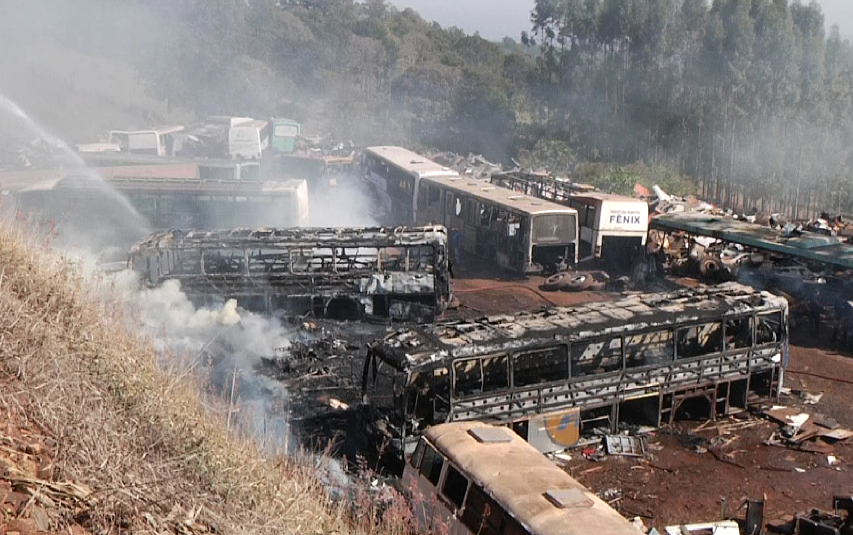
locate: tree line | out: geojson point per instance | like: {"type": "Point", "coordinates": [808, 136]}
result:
{"type": "Point", "coordinates": [744, 102]}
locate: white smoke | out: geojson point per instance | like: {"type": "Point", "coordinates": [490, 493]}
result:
{"type": "Point", "coordinates": [220, 344]}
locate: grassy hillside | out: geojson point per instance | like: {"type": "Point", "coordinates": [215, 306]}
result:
{"type": "Point", "coordinates": [135, 435]}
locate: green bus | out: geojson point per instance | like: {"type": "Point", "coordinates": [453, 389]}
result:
{"type": "Point", "coordinates": [284, 134]}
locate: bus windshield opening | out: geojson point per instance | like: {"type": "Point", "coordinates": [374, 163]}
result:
{"type": "Point", "coordinates": [286, 130]}
{"type": "Point", "coordinates": [554, 228]}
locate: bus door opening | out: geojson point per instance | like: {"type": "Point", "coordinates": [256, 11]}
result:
{"type": "Point", "coordinates": [618, 252]}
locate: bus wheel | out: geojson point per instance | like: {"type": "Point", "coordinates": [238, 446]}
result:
{"type": "Point", "coordinates": [711, 267]}
{"type": "Point", "coordinates": [557, 282]}
{"type": "Point", "coordinates": [579, 282]}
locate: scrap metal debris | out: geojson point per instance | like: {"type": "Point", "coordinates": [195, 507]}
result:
{"type": "Point", "coordinates": [473, 165]}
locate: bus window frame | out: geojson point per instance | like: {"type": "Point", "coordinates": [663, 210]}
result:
{"type": "Point", "coordinates": [440, 488]}
{"type": "Point", "coordinates": [595, 340]}
{"type": "Point", "coordinates": [779, 332]}
{"type": "Point", "coordinates": [433, 191]}
{"type": "Point", "coordinates": [418, 455]}
{"type": "Point", "coordinates": [436, 454]}
{"type": "Point", "coordinates": [740, 317]}
{"type": "Point", "coordinates": [648, 332]}
{"type": "Point", "coordinates": [481, 367]}
{"type": "Point", "coordinates": [538, 350]}
{"type": "Point", "coordinates": [719, 350]}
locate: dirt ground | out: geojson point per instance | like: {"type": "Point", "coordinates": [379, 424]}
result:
{"type": "Point", "coordinates": [488, 296]}
{"type": "Point", "coordinates": [482, 289]}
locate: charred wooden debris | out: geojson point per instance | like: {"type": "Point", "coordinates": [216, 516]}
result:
{"type": "Point", "coordinates": [340, 273]}
{"type": "Point", "coordinates": [559, 372]}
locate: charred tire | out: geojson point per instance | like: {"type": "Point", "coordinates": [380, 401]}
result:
{"type": "Point", "coordinates": [556, 282]}
{"type": "Point", "coordinates": [579, 282]}
{"type": "Point", "coordinates": [711, 267]}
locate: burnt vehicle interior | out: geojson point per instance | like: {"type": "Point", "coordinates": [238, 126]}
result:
{"type": "Point", "coordinates": [346, 274]}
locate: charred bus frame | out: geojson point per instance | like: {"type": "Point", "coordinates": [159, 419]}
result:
{"type": "Point", "coordinates": [555, 373]}
{"type": "Point", "coordinates": [354, 273]}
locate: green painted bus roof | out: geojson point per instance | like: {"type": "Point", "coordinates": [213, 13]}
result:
{"type": "Point", "coordinates": [829, 250]}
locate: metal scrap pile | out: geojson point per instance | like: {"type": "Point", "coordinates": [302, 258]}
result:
{"type": "Point", "coordinates": [665, 203]}
{"type": "Point", "coordinates": [473, 165]}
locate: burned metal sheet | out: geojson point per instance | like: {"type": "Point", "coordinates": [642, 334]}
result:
{"type": "Point", "coordinates": [412, 348]}
{"type": "Point", "coordinates": [344, 273]}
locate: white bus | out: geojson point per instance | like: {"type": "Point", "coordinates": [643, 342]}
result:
{"type": "Point", "coordinates": [517, 232]}
{"type": "Point", "coordinates": [156, 142]}
{"type": "Point", "coordinates": [395, 174]}
{"type": "Point", "coordinates": [612, 227]}
{"type": "Point", "coordinates": [249, 139]}
{"type": "Point", "coordinates": [471, 478]}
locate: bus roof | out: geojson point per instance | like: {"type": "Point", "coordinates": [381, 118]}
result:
{"type": "Point", "coordinates": [160, 131]}
{"type": "Point", "coordinates": [411, 162]}
{"type": "Point", "coordinates": [425, 346]}
{"type": "Point", "coordinates": [524, 482]}
{"type": "Point", "coordinates": [500, 196]}
{"type": "Point", "coordinates": [829, 250]}
{"type": "Point", "coordinates": [600, 196]}
{"type": "Point", "coordinates": [254, 123]}
{"type": "Point", "coordinates": [307, 237]}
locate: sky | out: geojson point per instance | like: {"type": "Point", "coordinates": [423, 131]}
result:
{"type": "Point", "coordinates": [495, 19]}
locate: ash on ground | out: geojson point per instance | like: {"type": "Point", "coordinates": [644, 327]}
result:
{"type": "Point", "coordinates": [321, 371]}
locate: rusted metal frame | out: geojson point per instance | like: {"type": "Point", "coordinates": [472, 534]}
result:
{"type": "Point", "coordinates": [273, 278]}
{"type": "Point", "coordinates": [483, 403]}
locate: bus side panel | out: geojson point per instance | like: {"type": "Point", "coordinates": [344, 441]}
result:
{"type": "Point", "coordinates": [415, 191]}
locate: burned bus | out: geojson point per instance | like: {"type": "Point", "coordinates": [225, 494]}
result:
{"type": "Point", "coordinates": [339, 273]}
{"type": "Point", "coordinates": [556, 373]}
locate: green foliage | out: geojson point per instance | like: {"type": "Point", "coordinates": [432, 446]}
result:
{"type": "Point", "coordinates": [609, 178]}
{"type": "Point", "coordinates": [746, 102]}
{"type": "Point", "coordinates": [664, 176]}
{"type": "Point", "coordinates": [555, 155]}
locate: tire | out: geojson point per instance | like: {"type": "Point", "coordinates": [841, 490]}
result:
{"type": "Point", "coordinates": [556, 282]}
{"type": "Point", "coordinates": [579, 282]}
{"type": "Point", "coordinates": [711, 267]}
{"type": "Point", "coordinates": [756, 259]}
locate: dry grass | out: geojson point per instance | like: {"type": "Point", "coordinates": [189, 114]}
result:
{"type": "Point", "coordinates": [136, 435]}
